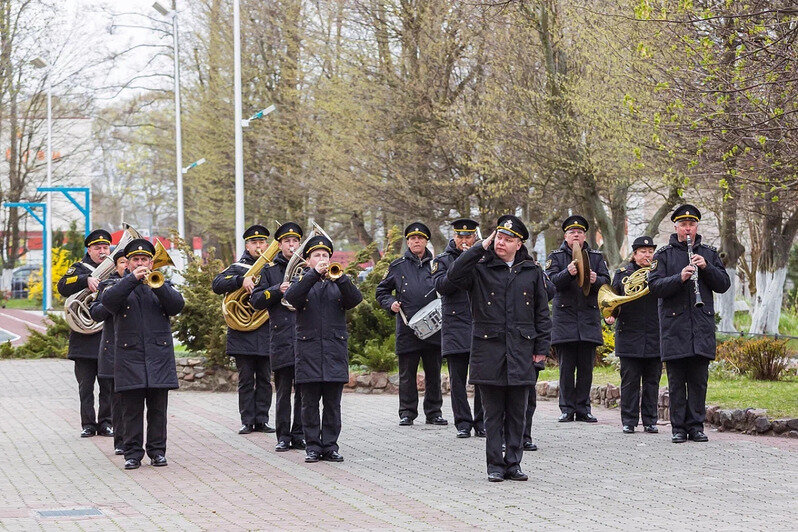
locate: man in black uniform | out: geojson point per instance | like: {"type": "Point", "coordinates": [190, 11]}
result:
{"type": "Point", "coordinates": [687, 331]}
{"type": "Point", "coordinates": [577, 320]}
{"type": "Point", "coordinates": [456, 330]}
{"type": "Point", "coordinates": [250, 348]}
{"type": "Point", "coordinates": [637, 344]}
{"type": "Point", "coordinates": [322, 356]}
{"type": "Point", "coordinates": [106, 356]}
{"type": "Point", "coordinates": [511, 328]}
{"type": "Point", "coordinates": [84, 348]}
{"type": "Point", "coordinates": [269, 295]}
{"type": "Point", "coordinates": [406, 288]}
{"type": "Point", "coordinates": [144, 365]}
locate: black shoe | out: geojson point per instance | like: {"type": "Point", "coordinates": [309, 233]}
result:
{"type": "Point", "coordinates": [495, 477]}
{"type": "Point", "coordinates": [264, 427]}
{"type": "Point", "coordinates": [628, 429]}
{"type": "Point", "coordinates": [88, 432]}
{"type": "Point", "coordinates": [246, 429]}
{"type": "Point", "coordinates": [516, 475]}
{"type": "Point", "coordinates": [480, 433]}
{"type": "Point", "coordinates": [529, 446]}
{"type": "Point", "coordinates": [132, 463]}
{"type": "Point", "coordinates": [587, 418]}
{"type": "Point", "coordinates": [405, 422]}
{"type": "Point", "coordinates": [298, 444]}
{"type": "Point", "coordinates": [437, 421]}
{"type": "Point", "coordinates": [282, 446]}
{"type": "Point", "coordinates": [698, 436]}
{"type": "Point", "coordinates": [651, 429]}
{"type": "Point", "coordinates": [332, 456]}
{"type": "Point", "coordinates": [106, 431]}
{"type": "Point", "coordinates": [159, 461]}
{"type": "Point", "coordinates": [679, 437]}
{"type": "Point", "coordinates": [119, 451]}
{"type": "Point", "coordinates": [565, 418]}
{"type": "Point", "coordinates": [311, 457]}
{"type": "Point", "coordinates": [463, 433]}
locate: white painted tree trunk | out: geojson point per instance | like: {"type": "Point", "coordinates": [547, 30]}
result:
{"type": "Point", "coordinates": [725, 303]}
{"type": "Point", "coordinates": [767, 305]}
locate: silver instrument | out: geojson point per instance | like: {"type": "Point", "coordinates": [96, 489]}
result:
{"type": "Point", "coordinates": [694, 278]}
{"type": "Point", "coordinates": [428, 320]}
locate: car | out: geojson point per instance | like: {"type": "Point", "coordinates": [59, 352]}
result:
{"type": "Point", "coordinates": [361, 276]}
{"type": "Point", "coordinates": [19, 280]}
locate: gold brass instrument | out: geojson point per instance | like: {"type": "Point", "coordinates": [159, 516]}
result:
{"type": "Point", "coordinates": [76, 306]}
{"type": "Point", "coordinates": [297, 261]}
{"type": "Point", "coordinates": [155, 279]}
{"type": "Point", "coordinates": [582, 261]}
{"type": "Point", "coordinates": [634, 287]}
{"type": "Point", "coordinates": [238, 313]}
{"type": "Point", "coordinates": [335, 270]}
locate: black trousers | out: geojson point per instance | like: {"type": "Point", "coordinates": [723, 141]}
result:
{"type": "Point", "coordinates": [116, 417]}
{"type": "Point", "coordinates": [458, 374]}
{"type": "Point", "coordinates": [86, 375]}
{"type": "Point", "coordinates": [635, 405]}
{"type": "Point", "coordinates": [283, 382]}
{"type": "Point", "coordinates": [133, 402]}
{"type": "Point", "coordinates": [687, 388]}
{"type": "Point", "coordinates": [408, 391]}
{"type": "Point", "coordinates": [254, 388]}
{"type": "Point", "coordinates": [531, 405]}
{"type": "Point", "coordinates": [505, 407]}
{"type": "Point", "coordinates": [576, 357]}
{"type": "Point", "coordinates": [321, 431]}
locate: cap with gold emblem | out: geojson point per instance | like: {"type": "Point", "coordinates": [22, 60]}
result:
{"type": "Point", "coordinates": [256, 231]}
{"type": "Point", "coordinates": [139, 246]}
{"type": "Point", "coordinates": [318, 242]}
{"type": "Point", "coordinates": [418, 229]}
{"type": "Point", "coordinates": [575, 222]}
{"type": "Point", "coordinates": [464, 226]}
{"type": "Point", "coordinates": [643, 242]}
{"type": "Point", "coordinates": [288, 229]}
{"type": "Point", "coordinates": [98, 236]}
{"type": "Point", "coordinates": [512, 226]}
{"type": "Point", "coordinates": [686, 212]}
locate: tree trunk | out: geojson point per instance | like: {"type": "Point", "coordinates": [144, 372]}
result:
{"type": "Point", "coordinates": [769, 295]}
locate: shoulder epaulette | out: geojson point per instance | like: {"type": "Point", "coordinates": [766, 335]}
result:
{"type": "Point", "coordinates": [713, 248]}
{"type": "Point", "coordinates": [397, 261]}
{"type": "Point", "coordinates": [558, 251]}
{"type": "Point", "coordinates": [663, 248]}
{"type": "Point", "coordinates": [594, 251]}
{"type": "Point", "coordinates": [621, 269]}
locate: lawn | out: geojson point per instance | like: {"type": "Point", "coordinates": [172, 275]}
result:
{"type": "Point", "coordinates": [780, 398]}
{"type": "Point", "coordinates": [23, 303]}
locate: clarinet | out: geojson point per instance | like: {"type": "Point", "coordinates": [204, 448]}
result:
{"type": "Point", "coordinates": [698, 301]}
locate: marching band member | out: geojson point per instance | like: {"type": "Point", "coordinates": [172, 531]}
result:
{"type": "Point", "coordinates": [268, 294]}
{"type": "Point", "coordinates": [577, 320]}
{"type": "Point", "coordinates": [511, 327]}
{"type": "Point", "coordinates": [250, 348]}
{"type": "Point", "coordinates": [637, 345]}
{"type": "Point", "coordinates": [687, 319]}
{"type": "Point", "coordinates": [106, 356]}
{"type": "Point", "coordinates": [456, 330]}
{"type": "Point", "coordinates": [406, 288]}
{"type": "Point", "coordinates": [84, 348]}
{"type": "Point", "coordinates": [322, 358]}
{"type": "Point", "coordinates": [144, 365]}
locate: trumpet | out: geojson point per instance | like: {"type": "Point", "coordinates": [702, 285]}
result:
{"type": "Point", "coordinates": [153, 279]}
{"type": "Point", "coordinates": [335, 270]}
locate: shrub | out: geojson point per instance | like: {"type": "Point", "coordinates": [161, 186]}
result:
{"type": "Point", "coordinates": [762, 359]}
{"type": "Point", "coordinates": [62, 260]}
{"type": "Point", "coordinates": [52, 343]}
{"type": "Point", "coordinates": [378, 355]}
{"type": "Point", "coordinates": [608, 348]}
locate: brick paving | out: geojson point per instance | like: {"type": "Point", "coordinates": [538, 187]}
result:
{"type": "Point", "coordinates": [421, 477]}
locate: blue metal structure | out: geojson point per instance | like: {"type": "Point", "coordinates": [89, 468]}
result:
{"type": "Point", "coordinates": [85, 209]}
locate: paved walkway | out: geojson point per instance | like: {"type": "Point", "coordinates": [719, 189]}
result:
{"type": "Point", "coordinates": [15, 324]}
{"type": "Point", "coordinates": [421, 477]}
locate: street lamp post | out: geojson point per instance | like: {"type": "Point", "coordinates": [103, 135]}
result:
{"type": "Point", "coordinates": [47, 293]}
{"type": "Point", "coordinates": [181, 227]}
{"type": "Point", "coordinates": [239, 140]}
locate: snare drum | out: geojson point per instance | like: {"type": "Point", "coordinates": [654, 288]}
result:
{"type": "Point", "coordinates": [428, 320]}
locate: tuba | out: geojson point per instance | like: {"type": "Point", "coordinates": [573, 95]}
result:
{"type": "Point", "coordinates": [634, 287]}
{"type": "Point", "coordinates": [76, 306]}
{"type": "Point", "coordinates": [238, 313]}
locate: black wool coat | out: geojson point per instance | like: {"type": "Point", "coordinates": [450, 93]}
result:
{"type": "Point", "coordinates": [686, 330]}
{"type": "Point", "coordinates": [637, 322]}
{"type": "Point", "coordinates": [106, 356]}
{"type": "Point", "coordinates": [409, 281]}
{"type": "Point", "coordinates": [576, 316]}
{"type": "Point", "coordinates": [241, 342]}
{"type": "Point", "coordinates": [322, 353]}
{"type": "Point", "coordinates": [282, 321]}
{"type": "Point", "coordinates": [510, 310]}
{"type": "Point", "coordinates": [456, 310]}
{"type": "Point", "coordinates": [74, 280]}
{"type": "Point", "coordinates": [145, 355]}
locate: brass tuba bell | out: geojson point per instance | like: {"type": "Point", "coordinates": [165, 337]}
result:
{"type": "Point", "coordinates": [634, 287]}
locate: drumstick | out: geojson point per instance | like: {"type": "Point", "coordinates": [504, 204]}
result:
{"type": "Point", "coordinates": [402, 313]}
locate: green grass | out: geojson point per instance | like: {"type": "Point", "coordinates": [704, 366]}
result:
{"type": "Point", "coordinates": [780, 398]}
{"type": "Point", "coordinates": [24, 304]}
{"type": "Point", "coordinates": [788, 325]}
